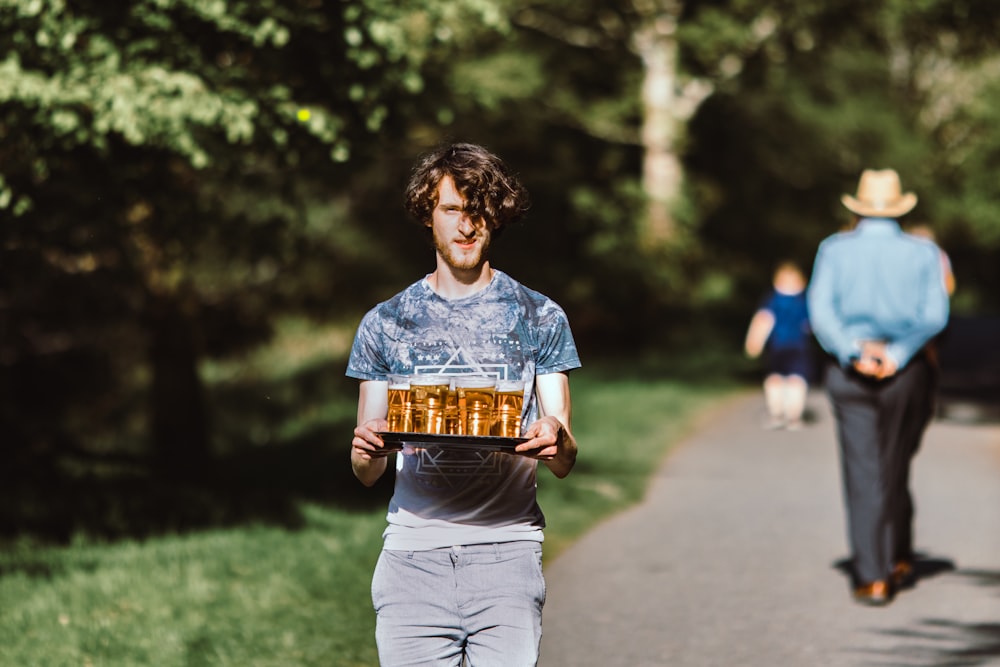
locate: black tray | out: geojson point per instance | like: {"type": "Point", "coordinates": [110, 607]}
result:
{"type": "Point", "coordinates": [395, 441]}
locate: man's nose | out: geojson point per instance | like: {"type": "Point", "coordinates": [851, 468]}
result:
{"type": "Point", "coordinates": [467, 225]}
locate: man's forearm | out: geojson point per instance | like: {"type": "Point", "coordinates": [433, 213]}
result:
{"type": "Point", "coordinates": [368, 471]}
{"type": "Point", "coordinates": [563, 463]}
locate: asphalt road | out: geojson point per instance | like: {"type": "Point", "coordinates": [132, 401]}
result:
{"type": "Point", "coordinates": [735, 558]}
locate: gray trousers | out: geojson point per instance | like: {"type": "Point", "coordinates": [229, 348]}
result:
{"type": "Point", "coordinates": [879, 426]}
{"type": "Point", "coordinates": [478, 605]}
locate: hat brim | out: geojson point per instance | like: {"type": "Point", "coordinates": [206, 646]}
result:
{"type": "Point", "coordinates": [895, 209]}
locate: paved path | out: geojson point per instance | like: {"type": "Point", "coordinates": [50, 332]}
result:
{"type": "Point", "coordinates": [732, 559]}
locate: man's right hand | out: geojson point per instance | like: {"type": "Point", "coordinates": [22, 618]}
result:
{"type": "Point", "coordinates": [875, 361]}
{"type": "Point", "coordinates": [366, 442]}
{"type": "Point", "coordinates": [368, 460]}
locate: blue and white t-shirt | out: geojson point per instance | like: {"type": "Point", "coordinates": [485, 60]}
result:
{"type": "Point", "coordinates": [445, 497]}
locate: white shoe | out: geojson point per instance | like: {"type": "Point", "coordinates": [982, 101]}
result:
{"type": "Point", "coordinates": [774, 423]}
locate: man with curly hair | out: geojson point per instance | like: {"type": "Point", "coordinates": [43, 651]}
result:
{"type": "Point", "coordinates": [459, 576]}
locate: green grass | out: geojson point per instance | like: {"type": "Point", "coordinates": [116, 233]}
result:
{"type": "Point", "coordinates": [258, 594]}
{"type": "Point", "coordinates": [245, 596]}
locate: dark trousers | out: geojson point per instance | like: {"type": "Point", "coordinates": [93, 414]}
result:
{"type": "Point", "coordinates": [880, 425]}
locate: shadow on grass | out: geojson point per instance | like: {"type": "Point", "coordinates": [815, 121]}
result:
{"type": "Point", "coordinates": [258, 480]}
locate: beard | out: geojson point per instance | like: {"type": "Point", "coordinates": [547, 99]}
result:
{"type": "Point", "coordinates": [461, 260]}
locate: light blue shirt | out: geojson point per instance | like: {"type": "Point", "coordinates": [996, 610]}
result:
{"type": "Point", "coordinates": [877, 283]}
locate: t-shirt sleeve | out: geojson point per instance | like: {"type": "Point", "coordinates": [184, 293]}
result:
{"type": "Point", "coordinates": [557, 349]}
{"type": "Point", "coordinates": [367, 360]}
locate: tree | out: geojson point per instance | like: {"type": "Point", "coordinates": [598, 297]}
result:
{"type": "Point", "coordinates": [162, 167]}
{"type": "Point", "coordinates": [177, 174]}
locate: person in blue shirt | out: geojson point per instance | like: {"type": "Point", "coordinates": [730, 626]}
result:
{"type": "Point", "coordinates": [780, 331]}
{"type": "Point", "coordinates": [877, 296]}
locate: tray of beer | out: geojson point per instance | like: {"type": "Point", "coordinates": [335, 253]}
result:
{"type": "Point", "coordinates": [396, 440]}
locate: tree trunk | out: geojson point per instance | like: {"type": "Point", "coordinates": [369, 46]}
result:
{"type": "Point", "coordinates": [667, 106]}
{"type": "Point", "coordinates": [661, 169]}
{"type": "Point", "coordinates": [178, 419]}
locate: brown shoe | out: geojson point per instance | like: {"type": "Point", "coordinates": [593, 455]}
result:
{"type": "Point", "coordinates": [875, 594]}
{"type": "Point", "coordinates": [903, 574]}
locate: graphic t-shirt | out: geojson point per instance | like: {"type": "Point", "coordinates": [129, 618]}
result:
{"type": "Point", "coordinates": [445, 497]}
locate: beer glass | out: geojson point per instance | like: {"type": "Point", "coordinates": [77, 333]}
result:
{"type": "Point", "coordinates": [451, 421]}
{"type": "Point", "coordinates": [428, 394]}
{"type": "Point", "coordinates": [507, 408]}
{"type": "Point", "coordinates": [474, 396]}
{"type": "Point", "coordinates": [400, 416]}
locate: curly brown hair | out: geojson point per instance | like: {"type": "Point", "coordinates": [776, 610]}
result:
{"type": "Point", "coordinates": [490, 190]}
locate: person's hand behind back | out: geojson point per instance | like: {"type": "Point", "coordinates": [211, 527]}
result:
{"type": "Point", "coordinates": [875, 361]}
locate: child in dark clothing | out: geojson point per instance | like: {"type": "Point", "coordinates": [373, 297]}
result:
{"type": "Point", "coordinates": [780, 330]}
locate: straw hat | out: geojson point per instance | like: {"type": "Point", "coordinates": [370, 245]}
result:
{"type": "Point", "coordinates": [880, 195]}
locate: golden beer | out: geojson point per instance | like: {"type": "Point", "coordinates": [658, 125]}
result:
{"type": "Point", "coordinates": [428, 395]}
{"type": "Point", "coordinates": [452, 425]}
{"type": "Point", "coordinates": [399, 416]}
{"type": "Point", "coordinates": [507, 408]}
{"type": "Point", "coordinates": [474, 395]}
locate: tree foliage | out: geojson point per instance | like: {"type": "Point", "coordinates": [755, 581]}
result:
{"type": "Point", "coordinates": [166, 184]}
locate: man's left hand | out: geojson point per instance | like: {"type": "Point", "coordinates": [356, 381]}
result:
{"type": "Point", "coordinates": [547, 437]}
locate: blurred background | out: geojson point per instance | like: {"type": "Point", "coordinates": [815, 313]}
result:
{"type": "Point", "coordinates": [200, 198]}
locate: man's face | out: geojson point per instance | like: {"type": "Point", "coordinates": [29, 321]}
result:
{"type": "Point", "coordinates": [460, 241]}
